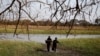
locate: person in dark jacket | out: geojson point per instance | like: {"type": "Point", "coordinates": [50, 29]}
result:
{"type": "Point", "coordinates": [54, 46]}
{"type": "Point", "coordinates": [48, 42]}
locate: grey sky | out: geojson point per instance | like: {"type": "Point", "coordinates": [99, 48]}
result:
{"type": "Point", "coordinates": [44, 12]}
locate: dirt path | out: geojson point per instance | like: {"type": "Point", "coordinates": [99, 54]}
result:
{"type": "Point", "coordinates": [59, 52]}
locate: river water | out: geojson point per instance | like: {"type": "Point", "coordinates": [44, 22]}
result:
{"type": "Point", "coordinates": [42, 37]}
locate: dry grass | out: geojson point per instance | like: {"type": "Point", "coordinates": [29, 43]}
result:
{"type": "Point", "coordinates": [51, 29]}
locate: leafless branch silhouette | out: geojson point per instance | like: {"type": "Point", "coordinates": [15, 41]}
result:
{"type": "Point", "coordinates": [61, 9]}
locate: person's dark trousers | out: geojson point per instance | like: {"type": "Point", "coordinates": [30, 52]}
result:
{"type": "Point", "coordinates": [48, 48]}
{"type": "Point", "coordinates": [54, 48]}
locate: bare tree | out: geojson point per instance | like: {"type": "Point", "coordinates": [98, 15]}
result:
{"type": "Point", "coordinates": [59, 10]}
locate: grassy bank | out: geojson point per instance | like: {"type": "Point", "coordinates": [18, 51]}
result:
{"type": "Point", "coordinates": [67, 47]}
{"type": "Point", "coordinates": [86, 47]}
{"type": "Point", "coordinates": [18, 48]}
{"type": "Point", "coordinates": [50, 29]}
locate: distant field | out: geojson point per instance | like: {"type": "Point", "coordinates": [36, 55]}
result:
{"type": "Point", "coordinates": [51, 29]}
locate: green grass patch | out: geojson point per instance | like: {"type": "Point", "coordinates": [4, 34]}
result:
{"type": "Point", "coordinates": [87, 47]}
{"type": "Point", "coordinates": [19, 48]}
{"type": "Point", "coordinates": [22, 48]}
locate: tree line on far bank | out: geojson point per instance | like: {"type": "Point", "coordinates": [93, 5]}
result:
{"type": "Point", "coordinates": [50, 23]}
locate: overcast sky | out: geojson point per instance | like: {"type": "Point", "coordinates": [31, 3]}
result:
{"type": "Point", "coordinates": [44, 12]}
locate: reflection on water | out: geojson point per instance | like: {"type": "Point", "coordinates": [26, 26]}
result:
{"type": "Point", "coordinates": [42, 37]}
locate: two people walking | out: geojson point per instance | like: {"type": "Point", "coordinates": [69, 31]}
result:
{"type": "Point", "coordinates": [49, 42]}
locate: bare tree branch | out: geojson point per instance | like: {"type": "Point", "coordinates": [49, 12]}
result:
{"type": "Point", "coordinates": [7, 7]}
{"type": "Point", "coordinates": [18, 17]}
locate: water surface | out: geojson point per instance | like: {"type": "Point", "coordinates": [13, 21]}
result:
{"type": "Point", "coordinates": [42, 37]}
